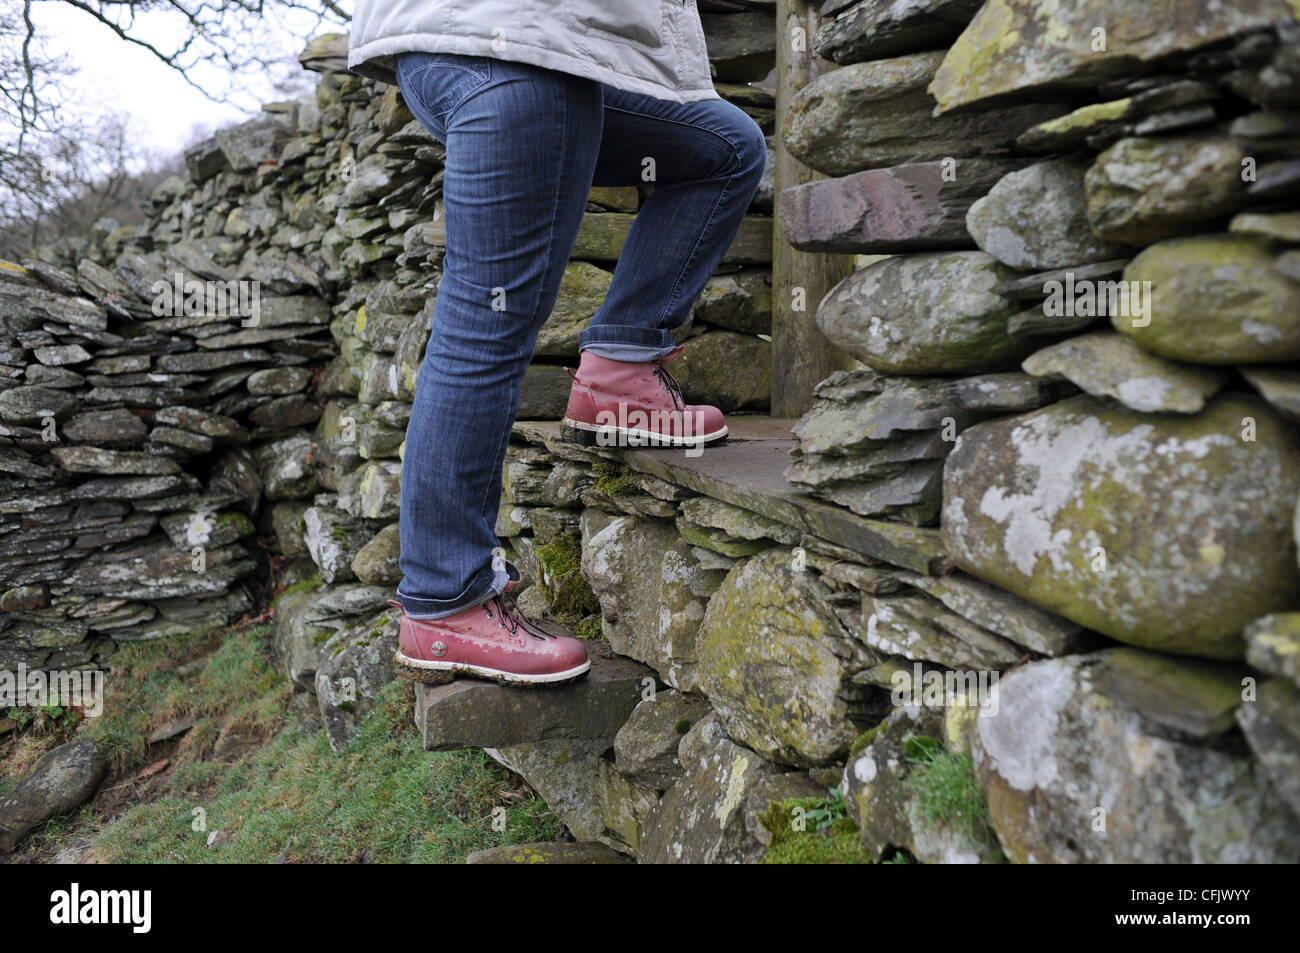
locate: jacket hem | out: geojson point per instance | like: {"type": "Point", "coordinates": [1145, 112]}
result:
{"type": "Point", "coordinates": [373, 60]}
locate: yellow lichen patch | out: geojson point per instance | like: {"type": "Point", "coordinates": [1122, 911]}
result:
{"type": "Point", "coordinates": [735, 790]}
{"type": "Point", "coordinates": [1055, 30]}
{"type": "Point", "coordinates": [1280, 644]}
{"type": "Point", "coordinates": [959, 726]}
{"type": "Point", "coordinates": [1211, 553]}
{"type": "Point", "coordinates": [1087, 115]}
{"type": "Point", "coordinates": [973, 52]}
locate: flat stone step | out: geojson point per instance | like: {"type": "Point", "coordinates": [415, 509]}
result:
{"type": "Point", "coordinates": [747, 470]}
{"type": "Point", "coordinates": [548, 852]}
{"type": "Point", "coordinates": [469, 713]}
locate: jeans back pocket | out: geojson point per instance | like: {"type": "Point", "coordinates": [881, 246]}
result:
{"type": "Point", "coordinates": [434, 84]}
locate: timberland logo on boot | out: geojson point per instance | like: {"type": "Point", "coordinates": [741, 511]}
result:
{"type": "Point", "coordinates": [645, 428]}
{"type": "Point", "coordinates": [438, 648]}
{"type": "Point", "coordinates": [77, 906]}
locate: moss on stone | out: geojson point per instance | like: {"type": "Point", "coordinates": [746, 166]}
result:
{"type": "Point", "coordinates": [562, 583]}
{"type": "Point", "coordinates": [776, 662]}
{"type": "Point", "coordinates": [306, 585]}
{"type": "Point", "coordinates": [612, 478]}
{"type": "Point", "coordinates": [837, 843]}
{"type": "Point", "coordinates": [719, 541]}
{"type": "Point", "coordinates": [864, 739]}
{"type": "Point", "coordinates": [243, 525]}
{"type": "Point", "coordinates": [1162, 587]}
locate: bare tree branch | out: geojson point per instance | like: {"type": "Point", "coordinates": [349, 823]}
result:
{"type": "Point", "coordinates": [56, 172]}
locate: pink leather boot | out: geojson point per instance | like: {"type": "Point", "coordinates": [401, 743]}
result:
{"type": "Point", "coordinates": [492, 640]}
{"type": "Point", "coordinates": [626, 404]}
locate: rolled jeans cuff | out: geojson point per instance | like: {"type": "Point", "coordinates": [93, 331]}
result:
{"type": "Point", "coordinates": [631, 353]}
{"type": "Point", "coordinates": [624, 343]}
{"type": "Point", "coordinates": [425, 609]}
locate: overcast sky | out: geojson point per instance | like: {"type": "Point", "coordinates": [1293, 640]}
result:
{"type": "Point", "coordinates": [112, 74]}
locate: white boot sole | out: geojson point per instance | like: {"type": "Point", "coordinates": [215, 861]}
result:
{"type": "Point", "coordinates": [604, 435]}
{"type": "Point", "coordinates": [426, 670]}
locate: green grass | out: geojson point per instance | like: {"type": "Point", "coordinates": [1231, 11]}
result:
{"type": "Point", "coordinates": [946, 789]}
{"type": "Point", "coordinates": [382, 798]}
{"type": "Point", "coordinates": [589, 628]}
{"type": "Point", "coordinates": [144, 690]}
{"type": "Point", "coordinates": [310, 584]}
{"type": "Point", "coordinates": [290, 798]}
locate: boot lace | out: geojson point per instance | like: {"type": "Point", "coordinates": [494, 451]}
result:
{"type": "Point", "coordinates": [512, 618]}
{"type": "Point", "coordinates": [670, 384]}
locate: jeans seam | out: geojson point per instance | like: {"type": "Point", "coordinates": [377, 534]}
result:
{"type": "Point", "coordinates": [550, 265]}
{"type": "Point", "coordinates": [686, 266]}
{"type": "Point", "coordinates": [404, 596]}
{"type": "Point", "coordinates": [423, 68]}
{"type": "Point", "coordinates": [676, 122]}
{"type": "Point", "coordinates": [740, 155]}
{"type": "Point", "coordinates": [621, 334]}
{"type": "Point", "coordinates": [461, 601]}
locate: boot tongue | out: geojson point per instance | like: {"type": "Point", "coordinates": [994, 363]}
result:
{"type": "Point", "coordinates": [517, 618]}
{"type": "Point", "coordinates": [671, 356]}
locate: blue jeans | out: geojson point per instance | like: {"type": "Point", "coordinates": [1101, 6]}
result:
{"type": "Point", "coordinates": [524, 146]}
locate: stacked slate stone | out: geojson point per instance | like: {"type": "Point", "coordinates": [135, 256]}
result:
{"type": "Point", "coordinates": [753, 625]}
{"type": "Point", "coordinates": [130, 494]}
{"type": "Point", "coordinates": [1078, 358]}
{"type": "Point", "coordinates": [161, 386]}
{"type": "Point", "coordinates": [777, 646]}
{"type": "Point", "coordinates": [167, 422]}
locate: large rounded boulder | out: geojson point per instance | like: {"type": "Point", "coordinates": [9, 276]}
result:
{"type": "Point", "coordinates": [1164, 531]}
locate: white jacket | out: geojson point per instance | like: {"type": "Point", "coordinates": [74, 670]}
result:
{"type": "Point", "coordinates": [653, 47]}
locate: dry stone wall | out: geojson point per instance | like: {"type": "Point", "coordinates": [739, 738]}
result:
{"type": "Point", "coordinates": [154, 461]}
{"type": "Point", "coordinates": [1042, 538]}
{"type": "Point", "coordinates": [141, 439]}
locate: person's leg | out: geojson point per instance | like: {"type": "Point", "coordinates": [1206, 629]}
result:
{"type": "Point", "coordinates": [705, 160]}
{"type": "Point", "coordinates": [521, 146]}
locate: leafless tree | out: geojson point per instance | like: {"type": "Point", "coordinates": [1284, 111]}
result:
{"type": "Point", "coordinates": [96, 173]}
{"type": "Point", "coordinates": [236, 36]}
{"type": "Point", "coordinates": [52, 160]}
